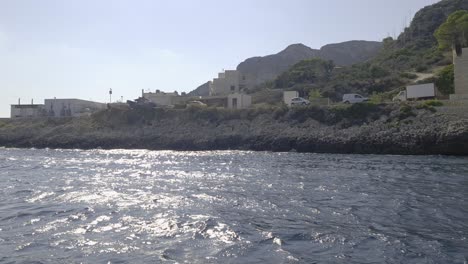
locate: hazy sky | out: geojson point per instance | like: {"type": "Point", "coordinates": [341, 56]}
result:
{"type": "Point", "coordinates": [81, 48]}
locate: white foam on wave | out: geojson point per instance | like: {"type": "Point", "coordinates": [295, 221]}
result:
{"type": "Point", "coordinates": [32, 221]}
{"type": "Point", "coordinates": [223, 233]}
{"type": "Point", "coordinates": [207, 197]}
{"type": "Point", "coordinates": [162, 225]}
{"type": "Point", "coordinates": [39, 197]}
{"type": "Point", "coordinates": [53, 225]}
{"type": "Point", "coordinates": [108, 228]}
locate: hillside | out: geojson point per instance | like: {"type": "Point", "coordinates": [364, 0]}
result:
{"type": "Point", "coordinates": [420, 34]}
{"type": "Point", "coordinates": [415, 49]}
{"type": "Point", "coordinates": [400, 62]}
{"type": "Point", "coordinates": [202, 90]}
{"type": "Point", "coordinates": [262, 69]}
{"type": "Point", "coordinates": [259, 70]}
{"type": "Point", "coordinates": [267, 68]}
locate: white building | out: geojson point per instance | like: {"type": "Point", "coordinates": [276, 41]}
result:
{"type": "Point", "coordinates": [288, 96]}
{"type": "Point", "coordinates": [56, 108]}
{"type": "Point", "coordinates": [71, 107]}
{"type": "Point", "coordinates": [228, 82]}
{"type": "Point", "coordinates": [239, 101]}
{"type": "Point", "coordinates": [164, 99]}
{"type": "Point", "coordinates": [27, 110]}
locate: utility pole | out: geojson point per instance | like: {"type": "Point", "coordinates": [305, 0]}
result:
{"type": "Point", "coordinates": [110, 95]}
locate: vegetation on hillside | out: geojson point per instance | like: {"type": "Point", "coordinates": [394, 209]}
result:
{"type": "Point", "coordinates": [453, 32]}
{"type": "Point", "coordinates": [416, 50]}
{"type": "Point", "coordinates": [445, 80]}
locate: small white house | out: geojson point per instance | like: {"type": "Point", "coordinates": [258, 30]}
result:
{"type": "Point", "coordinates": [288, 96]}
{"type": "Point", "coordinates": [239, 101]}
{"type": "Point", "coordinates": [27, 110]}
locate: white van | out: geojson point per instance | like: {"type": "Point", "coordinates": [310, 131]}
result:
{"type": "Point", "coordinates": [354, 98]}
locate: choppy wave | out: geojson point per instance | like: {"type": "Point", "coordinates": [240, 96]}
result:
{"type": "Point", "coordinates": [140, 206]}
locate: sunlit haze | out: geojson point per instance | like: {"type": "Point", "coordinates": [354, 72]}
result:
{"type": "Point", "coordinates": [81, 48]}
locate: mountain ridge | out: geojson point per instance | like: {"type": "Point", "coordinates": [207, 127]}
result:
{"type": "Point", "coordinates": [260, 69]}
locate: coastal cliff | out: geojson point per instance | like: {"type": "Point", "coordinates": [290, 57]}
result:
{"type": "Point", "coordinates": [364, 129]}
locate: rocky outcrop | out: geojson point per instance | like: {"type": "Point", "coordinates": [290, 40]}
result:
{"type": "Point", "coordinates": [262, 69]}
{"type": "Point", "coordinates": [202, 90]}
{"type": "Point", "coordinates": [375, 129]}
{"type": "Point", "coordinates": [351, 52]}
{"type": "Point", "coordinates": [420, 34]}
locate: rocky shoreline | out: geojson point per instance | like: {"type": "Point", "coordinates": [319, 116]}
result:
{"type": "Point", "coordinates": [364, 129]}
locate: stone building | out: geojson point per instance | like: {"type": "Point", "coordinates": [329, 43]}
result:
{"type": "Point", "coordinates": [460, 60]}
{"type": "Point", "coordinates": [239, 101]}
{"type": "Point", "coordinates": [228, 82]}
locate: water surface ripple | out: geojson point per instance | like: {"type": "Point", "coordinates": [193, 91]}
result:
{"type": "Point", "coordinates": [138, 206]}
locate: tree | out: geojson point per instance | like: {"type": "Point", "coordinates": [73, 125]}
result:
{"type": "Point", "coordinates": [453, 33]}
{"type": "Point", "coordinates": [315, 94]}
{"type": "Point", "coordinates": [445, 80]}
{"type": "Point", "coordinates": [306, 72]}
{"type": "Point", "coordinates": [378, 72]}
{"type": "Point", "coordinates": [388, 42]}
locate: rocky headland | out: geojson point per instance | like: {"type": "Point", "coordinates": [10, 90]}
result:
{"type": "Point", "coordinates": [361, 129]}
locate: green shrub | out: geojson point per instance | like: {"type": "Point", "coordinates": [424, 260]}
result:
{"type": "Point", "coordinates": [271, 97]}
{"type": "Point", "coordinates": [355, 111]}
{"type": "Point", "coordinates": [405, 112]}
{"type": "Point", "coordinates": [434, 103]}
{"type": "Point", "coordinates": [427, 107]}
{"type": "Point", "coordinates": [446, 80]}
{"type": "Point", "coordinates": [427, 80]}
{"type": "Point", "coordinates": [430, 105]}
{"type": "Point", "coordinates": [212, 114]}
{"type": "Point", "coordinates": [408, 75]}
{"type": "Point", "coordinates": [280, 111]}
{"type": "Point", "coordinates": [315, 94]}
{"type": "Point", "coordinates": [377, 98]}
{"type": "Point", "coordinates": [421, 68]}
{"type": "Point", "coordinates": [378, 72]}
{"type": "Point", "coordinates": [301, 114]}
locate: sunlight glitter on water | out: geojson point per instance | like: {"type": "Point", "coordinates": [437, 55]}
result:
{"type": "Point", "coordinates": [240, 207]}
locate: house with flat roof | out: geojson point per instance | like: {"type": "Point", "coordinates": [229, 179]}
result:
{"type": "Point", "coordinates": [162, 98]}
{"type": "Point", "coordinates": [27, 110]}
{"type": "Point", "coordinates": [71, 107]}
{"type": "Point", "coordinates": [56, 108]}
{"type": "Point", "coordinates": [231, 85]}
{"type": "Point", "coordinates": [228, 82]}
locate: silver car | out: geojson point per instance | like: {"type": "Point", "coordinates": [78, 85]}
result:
{"type": "Point", "coordinates": [299, 101]}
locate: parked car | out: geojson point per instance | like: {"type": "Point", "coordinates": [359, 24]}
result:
{"type": "Point", "coordinates": [354, 98]}
{"type": "Point", "coordinates": [416, 92]}
{"type": "Point", "coordinates": [196, 103]}
{"type": "Point", "coordinates": [299, 101]}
